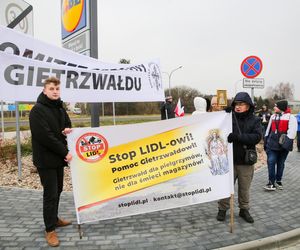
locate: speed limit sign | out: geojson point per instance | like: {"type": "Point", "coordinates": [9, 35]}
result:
{"type": "Point", "coordinates": [11, 10]}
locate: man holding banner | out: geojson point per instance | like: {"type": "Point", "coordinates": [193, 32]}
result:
{"type": "Point", "coordinates": [49, 124]}
{"type": "Point", "coordinates": [247, 132]}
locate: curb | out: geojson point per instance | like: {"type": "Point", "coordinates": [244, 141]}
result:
{"type": "Point", "coordinates": [273, 242]}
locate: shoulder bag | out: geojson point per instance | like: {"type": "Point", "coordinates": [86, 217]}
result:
{"type": "Point", "coordinates": [285, 142]}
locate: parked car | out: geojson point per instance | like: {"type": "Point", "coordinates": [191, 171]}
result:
{"type": "Point", "coordinates": [77, 111]}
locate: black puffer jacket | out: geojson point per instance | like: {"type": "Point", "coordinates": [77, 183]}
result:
{"type": "Point", "coordinates": [250, 126]}
{"type": "Point", "coordinates": [47, 120]}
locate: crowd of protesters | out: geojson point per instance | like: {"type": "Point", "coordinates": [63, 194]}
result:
{"type": "Point", "coordinates": [50, 123]}
{"type": "Point", "coordinates": [277, 129]}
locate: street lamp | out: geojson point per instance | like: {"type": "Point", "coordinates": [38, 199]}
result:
{"type": "Point", "coordinates": [170, 75]}
{"type": "Point", "coordinates": [235, 85]}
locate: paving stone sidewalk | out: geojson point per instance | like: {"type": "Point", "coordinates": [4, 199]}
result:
{"type": "Point", "coordinates": [193, 227]}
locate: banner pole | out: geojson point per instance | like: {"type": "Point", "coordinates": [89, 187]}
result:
{"type": "Point", "coordinates": [231, 213]}
{"type": "Point", "coordinates": [18, 137]}
{"type": "Point", "coordinates": [79, 231]}
{"type": "Point", "coordinates": [166, 114]}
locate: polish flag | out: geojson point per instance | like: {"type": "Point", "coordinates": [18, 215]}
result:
{"type": "Point", "coordinates": [179, 110]}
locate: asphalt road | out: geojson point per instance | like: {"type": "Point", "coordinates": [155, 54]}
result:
{"type": "Point", "coordinates": [88, 119]}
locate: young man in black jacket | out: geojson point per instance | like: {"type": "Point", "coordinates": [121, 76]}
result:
{"type": "Point", "coordinates": [49, 124]}
{"type": "Point", "coordinates": [247, 132]}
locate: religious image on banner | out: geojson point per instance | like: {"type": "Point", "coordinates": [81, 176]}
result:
{"type": "Point", "coordinates": [217, 153]}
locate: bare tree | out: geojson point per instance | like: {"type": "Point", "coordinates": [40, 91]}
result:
{"type": "Point", "coordinates": [281, 91]}
{"type": "Point", "coordinates": [186, 95]}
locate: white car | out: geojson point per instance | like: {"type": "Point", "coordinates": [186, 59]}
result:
{"type": "Point", "coordinates": [77, 111]}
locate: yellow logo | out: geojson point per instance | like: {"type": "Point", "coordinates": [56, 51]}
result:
{"type": "Point", "coordinates": [71, 13]}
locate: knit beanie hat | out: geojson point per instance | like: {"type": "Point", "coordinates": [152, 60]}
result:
{"type": "Point", "coordinates": [282, 105]}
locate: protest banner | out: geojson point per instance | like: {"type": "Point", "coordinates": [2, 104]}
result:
{"type": "Point", "coordinates": [22, 79]}
{"type": "Point", "coordinates": [20, 44]}
{"type": "Point", "coordinates": [131, 169]}
{"type": "Point", "coordinates": [30, 66]}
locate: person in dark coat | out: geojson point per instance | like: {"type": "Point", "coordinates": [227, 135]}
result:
{"type": "Point", "coordinates": [265, 115]}
{"type": "Point", "coordinates": [49, 124]}
{"type": "Point", "coordinates": [167, 109]}
{"type": "Point", "coordinates": [247, 132]}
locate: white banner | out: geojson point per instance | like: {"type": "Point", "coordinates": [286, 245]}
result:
{"type": "Point", "coordinates": [21, 80]}
{"type": "Point", "coordinates": [132, 169]}
{"type": "Point", "coordinates": [19, 44]}
{"type": "Point", "coordinates": [107, 83]}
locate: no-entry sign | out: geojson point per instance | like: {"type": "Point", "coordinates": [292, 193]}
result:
{"type": "Point", "coordinates": [251, 66]}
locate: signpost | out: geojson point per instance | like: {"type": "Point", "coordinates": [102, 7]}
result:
{"type": "Point", "coordinates": [251, 67]}
{"type": "Point", "coordinates": [16, 14]}
{"type": "Point", "coordinates": [75, 27]}
{"type": "Point", "coordinates": [80, 34]}
{"type": "Point", "coordinates": [257, 83]}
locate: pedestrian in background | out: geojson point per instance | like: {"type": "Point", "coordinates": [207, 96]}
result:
{"type": "Point", "coordinates": [281, 122]}
{"type": "Point", "coordinates": [214, 104]}
{"type": "Point", "coordinates": [49, 124]}
{"type": "Point", "coordinates": [298, 132]}
{"type": "Point", "coordinates": [246, 133]}
{"type": "Point", "coordinates": [208, 104]}
{"type": "Point", "coordinates": [200, 105]}
{"type": "Point", "coordinates": [265, 115]}
{"type": "Point", "coordinates": [167, 109]}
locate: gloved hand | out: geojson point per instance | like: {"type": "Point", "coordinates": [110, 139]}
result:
{"type": "Point", "coordinates": [228, 109]}
{"type": "Point", "coordinates": [232, 137]}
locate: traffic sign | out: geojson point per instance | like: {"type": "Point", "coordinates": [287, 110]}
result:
{"type": "Point", "coordinates": [257, 83]}
{"type": "Point", "coordinates": [251, 66]}
{"type": "Point", "coordinates": [12, 10]}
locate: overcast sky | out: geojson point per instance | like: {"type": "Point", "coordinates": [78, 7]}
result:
{"type": "Point", "coordinates": [209, 38]}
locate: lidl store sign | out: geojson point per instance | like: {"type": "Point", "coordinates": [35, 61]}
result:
{"type": "Point", "coordinates": [73, 16]}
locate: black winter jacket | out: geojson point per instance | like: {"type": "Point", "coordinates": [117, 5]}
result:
{"type": "Point", "coordinates": [170, 110]}
{"type": "Point", "coordinates": [250, 126]}
{"type": "Point", "coordinates": [47, 120]}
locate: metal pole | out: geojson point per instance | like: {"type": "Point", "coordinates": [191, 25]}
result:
{"type": "Point", "coordinates": [95, 107]}
{"type": "Point", "coordinates": [79, 231]}
{"type": "Point", "coordinates": [252, 94]}
{"type": "Point", "coordinates": [12, 25]}
{"type": "Point", "coordinates": [171, 76]}
{"type": "Point", "coordinates": [114, 114]}
{"type": "Point", "coordinates": [18, 137]}
{"type": "Point", "coordinates": [2, 120]}
{"type": "Point", "coordinates": [231, 213]}
{"type": "Point", "coordinates": [235, 86]}
{"type": "Point", "coordinates": [169, 85]}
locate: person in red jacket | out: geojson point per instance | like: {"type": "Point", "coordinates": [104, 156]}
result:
{"type": "Point", "coordinates": [281, 123]}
